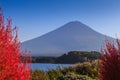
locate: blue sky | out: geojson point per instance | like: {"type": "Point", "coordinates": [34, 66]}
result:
{"type": "Point", "coordinates": [37, 17]}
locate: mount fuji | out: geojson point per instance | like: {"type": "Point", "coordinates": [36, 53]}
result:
{"type": "Point", "coordinates": [69, 37]}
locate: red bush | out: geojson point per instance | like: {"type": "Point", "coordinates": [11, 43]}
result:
{"type": "Point", "coordinates": [110, 62]}
{"type": "Point", "coordinates": [11, 66]}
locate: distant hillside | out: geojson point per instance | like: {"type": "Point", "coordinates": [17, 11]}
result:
{"type": "Point", "coordinates": [78, 56]}
{"type": "Point", "coordinates": [69, 58]}
{"type": "Point", "coordinates": [69, 37]}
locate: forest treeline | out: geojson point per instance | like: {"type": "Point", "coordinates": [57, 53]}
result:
{"type": "Point", "coordinates": [68, 58]}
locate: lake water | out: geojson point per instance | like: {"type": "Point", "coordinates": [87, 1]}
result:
{"type": "Point", "coordinates": [47, 66]}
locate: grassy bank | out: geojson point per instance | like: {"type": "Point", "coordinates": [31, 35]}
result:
{"type": "Point", "coordinates": [80, 71]}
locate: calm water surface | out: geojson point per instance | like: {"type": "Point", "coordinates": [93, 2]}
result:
{"type": "Point", "coordinates": [47, 66]}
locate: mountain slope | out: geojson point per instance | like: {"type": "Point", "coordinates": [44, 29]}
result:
{"type": "Point", "coordinates": [71, 36]}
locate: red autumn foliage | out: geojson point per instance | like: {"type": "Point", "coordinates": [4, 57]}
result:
{"type": "Point", "coordinates": [110, 62]}
{"type": "Point", "coordinates": [11, 65]}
